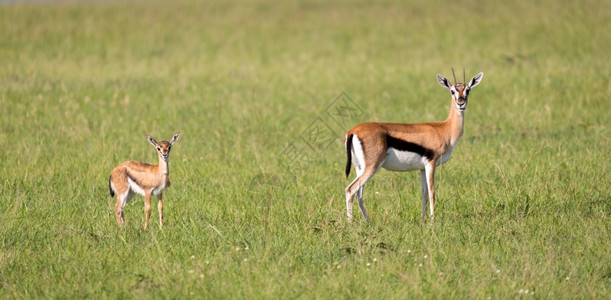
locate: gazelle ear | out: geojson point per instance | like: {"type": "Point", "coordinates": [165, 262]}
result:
{"type": "Point", "coordinates": [151, 140]}
{"type": "Point", "coordinates": [443, 81]}
{"type": "Point", "coordinates": [475, 80]}
{"type": "Point", "coordinates": [175, 137]}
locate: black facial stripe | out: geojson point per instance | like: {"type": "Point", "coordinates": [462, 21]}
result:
{"type": "Point", "coordinates": [402, 145]}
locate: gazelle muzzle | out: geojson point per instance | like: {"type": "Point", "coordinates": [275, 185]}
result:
{"type": "Point", "coordinates": [461, 105]}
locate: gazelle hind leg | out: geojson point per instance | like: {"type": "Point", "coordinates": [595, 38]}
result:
{"type": "Point", "coordinates": [362, 204]}
{"type": "Point", "coordinates": [349, 197]}
{"type": "Point", "coordinates": [359, 172]}
{"type": "Point", "coordinates": [349, 192]}
{"type": "Point", "coordinates": [357, 187]}
{"type": "Point", "coordinates": [364, 172]}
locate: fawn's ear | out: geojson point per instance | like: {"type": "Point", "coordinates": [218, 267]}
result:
{"type": "Point", "coordinates": [175, 137]}
{"type": "Point", "coordinates": [443, 81]}
{"type": "Point", "coordinates": [151, 140]}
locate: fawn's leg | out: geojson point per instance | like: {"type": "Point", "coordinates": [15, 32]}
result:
{"type": "Point", "coordinates": [147, 208]}
{"type": "Point", "coordinates": [160, 208]}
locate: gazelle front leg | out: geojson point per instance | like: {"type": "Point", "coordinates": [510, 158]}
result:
{"type": "Point", "coordinates": [425, 191]}
{"type": "Point", "coordinates": [160, 209]}
{"type": "Point", "coordinates": [147, 207]}
{"type": "Point", "coordinates": [429, 169]}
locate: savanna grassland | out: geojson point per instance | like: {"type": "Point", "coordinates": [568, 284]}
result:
{"type": "Point", "coordinates": [257, 208]}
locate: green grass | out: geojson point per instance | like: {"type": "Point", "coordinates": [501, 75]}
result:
{"type": "Point", "coordinates": [523, 204]}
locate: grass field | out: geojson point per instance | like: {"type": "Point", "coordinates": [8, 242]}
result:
{"type": "Point", "coordinates": [256, 208]}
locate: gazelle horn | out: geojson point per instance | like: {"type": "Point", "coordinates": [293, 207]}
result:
{"type": "Point", "coordinates": [454, 75]}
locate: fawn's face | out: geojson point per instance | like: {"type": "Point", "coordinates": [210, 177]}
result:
{"type": "Point", "coordinates": [163, 148]}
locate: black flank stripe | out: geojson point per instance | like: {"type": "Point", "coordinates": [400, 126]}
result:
{"type": "Point", "coordinates": [402, 145]}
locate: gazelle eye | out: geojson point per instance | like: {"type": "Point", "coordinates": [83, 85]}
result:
{"type": "Point", "coordinates": [158, 148]}
{"type": "Point", "coordinates": [452, 91]}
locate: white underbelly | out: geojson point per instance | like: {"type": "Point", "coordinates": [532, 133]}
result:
{"type": "Point", "coordinates": [141, 191]}
{"type": "Point", "coordinates": [135, 187]}
{"type": "Point", "coordinates": [402, 161]}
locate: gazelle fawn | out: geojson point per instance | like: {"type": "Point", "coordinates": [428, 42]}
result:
{"type": "Point", "coordinates": [132, 177]}
{"type": "Point", "coordinates": [401, 147]}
